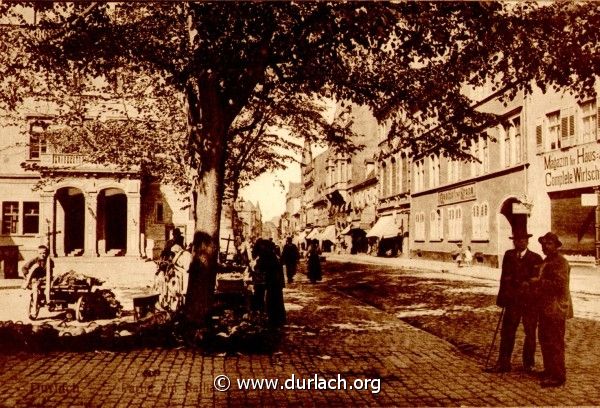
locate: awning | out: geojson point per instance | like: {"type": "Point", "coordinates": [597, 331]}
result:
{"type": "Point", "coordinates": [314, 234]}
{"type": "Point", "coordinates": [300, 237]}
{"type": "Point", "coordinates": [328, 234]}
{"type": "Point", "coordinates": [385, 227]}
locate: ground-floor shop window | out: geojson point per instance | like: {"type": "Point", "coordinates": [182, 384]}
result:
{"type": "Point", "coordinates": [573, 223]}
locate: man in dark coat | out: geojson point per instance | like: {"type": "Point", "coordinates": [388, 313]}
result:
{"type": "Point", "coordinates": [268, 266]}
{"type": "Point", "coordinates": [519, 267]}
{"type": "Point", "coordinates": [555, 308]}
{"type": "Point", "coordinates": [289, 257]}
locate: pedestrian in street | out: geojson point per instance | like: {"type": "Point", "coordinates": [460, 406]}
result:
{"type": "Point", "coordinates": [166, 255]}
{"type": "Point", "coordinates": [555, 307]}
{"type": "Point", "coordinates": [516, 295]}
{"type": "Point", "coordinates": [258, 274]}
{"type": "Point", "coordinates": [245, 251]}
{"type": "Point", "coordinates": [467, 257]}
{"type": "Point", "coordinates": [268, 280]}
{"type": "Point", "coordinates": [314, 263]}
{"type": "Point", "coordinates": [274, 283]}
{"type": "Point", "coordinates": [39, 264]}
{"type": "Point", "coordinates": [290, 257]}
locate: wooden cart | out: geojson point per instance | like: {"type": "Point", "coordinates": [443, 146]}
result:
{"type": "Point", "coordinates": [61, 296]}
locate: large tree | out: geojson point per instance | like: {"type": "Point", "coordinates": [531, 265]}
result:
{"type": "Point", "coordinates": [409, 61]}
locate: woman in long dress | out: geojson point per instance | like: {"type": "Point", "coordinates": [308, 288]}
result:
{"type": "Point", "coordinates": [314, 263]}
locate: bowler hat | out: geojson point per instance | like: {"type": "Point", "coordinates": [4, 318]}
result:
{"type": "Point", "coordinates": [550, 237]}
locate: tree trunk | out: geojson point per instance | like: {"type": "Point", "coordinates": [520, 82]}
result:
{"type": "Point", "coordinates": [207, 129]}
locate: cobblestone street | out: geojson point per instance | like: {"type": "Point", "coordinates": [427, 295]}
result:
{"type": "Point", "coordinates": [329, 333]}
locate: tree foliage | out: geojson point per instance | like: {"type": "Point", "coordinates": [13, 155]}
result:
{"type": "Point", "coordinates": [409, 61]}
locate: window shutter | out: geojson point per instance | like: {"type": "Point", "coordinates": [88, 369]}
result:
{"type": "Point", "coordinates": [572, 128]}
{"type": "Point", "coordinates": [539, 134]}
{"type": "Point", "coordinates": [441, 224]}
{"type": "Point", "coordinates": [564, 129]}
{"type": "Point", "coordinates": [598, 119]}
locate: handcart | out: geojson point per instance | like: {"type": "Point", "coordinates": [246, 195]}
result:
{"type": "Point", "coordinates": [61, 296]}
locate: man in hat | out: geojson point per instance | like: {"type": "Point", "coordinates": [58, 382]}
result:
{"type": "Point", "coordinates": [555, 307]}
{"type": "Point", "coordinates": [289, 257]}
{"type": "Point", "coordinates": [516, 296]}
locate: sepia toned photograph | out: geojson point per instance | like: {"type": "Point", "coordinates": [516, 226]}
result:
{"type": "Point", "coordinates": [299, 203]}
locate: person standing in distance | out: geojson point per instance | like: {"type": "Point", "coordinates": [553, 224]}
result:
{"type": "Point", "coordinates": [289, 258]}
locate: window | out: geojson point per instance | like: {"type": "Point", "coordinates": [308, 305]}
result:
{"type": "Point", "coordinates": [435, 225]}
{"type": "Point", "coordinates": [31, 217]}
{"type": "Point", "coordinates": [480, 222]}
{"type": "Point", "coordinates": [553, 120]}
{"type": "Point", "coordinates": [485, 155]}
{"type": "Point", "coordinates": [484, 222]}
{"type": "Point", "coordinates": [10, 217]}
{"type": "Point", "coordinates": [518, 142]}
{"type": "Point", "coordinates": [476, 164]}
{"type": "Point", "coordinates": [507, 147]}
{"type": "Point", "coordinates": [454, 224]}
{"type": "Point", "coordinates": [394, 168]}
{"type": "Point", "coordinates": [160, 216]}
{"type": "Point", "coordinates": [384, 182]}
{"type": "Point", "coordinates": [420, 226]}
{"type": "Point", "coordinates": [567, 127]}
{"type": "Point", "coordinates": [475, 221]}
{"type": "Point", "coordinates": [434, 171]}
{"type": "Point", "coordinates": [588, 121]}
{"type": "Point", "coordinates": [419, 175]}
{"type": "Point", "coordinates": [453, 170]}
{"type": "Point", "coordinates": [405, 175]}
{"type": "Point", "coordinates": [37, 140]}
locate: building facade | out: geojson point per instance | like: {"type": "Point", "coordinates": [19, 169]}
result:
{"type": "Point", "coordinates": [389, 236]}
{"type": "Point", "coordinates": [80, 208]}
{"type": "Point", "coordinates": [327, 182]}
{"type": "Point", "coordinates": [475, 204]}
{"type": "Point", "coordinates": [565, 133]}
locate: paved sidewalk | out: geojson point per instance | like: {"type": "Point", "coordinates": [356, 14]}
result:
{"type": "Point", "coordinates": [584, 278]}
{"type": "Point", "coordinates": [328, 334]}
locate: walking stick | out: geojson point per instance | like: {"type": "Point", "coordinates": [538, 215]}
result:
{"type": "Point", "coordinates": [487, 360]}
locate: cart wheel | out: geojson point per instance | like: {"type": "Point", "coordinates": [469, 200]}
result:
{"type": "Point", "coordinates": [34, 305]}
{"type": "Point", "coordinates": [82, 309]}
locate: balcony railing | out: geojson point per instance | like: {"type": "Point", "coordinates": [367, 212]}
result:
{"type": "Point", "coordinates": [78, 162]}
{"type": "Point", "coordinates": [61, 159]}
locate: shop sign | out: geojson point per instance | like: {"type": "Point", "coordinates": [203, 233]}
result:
{"type": "Point", "coordinates": [520, 208]}
{"type": "Point", "coordinates": [456, 195]}
{"type": "Point", "coordinates": [589, 200]}
{"type": "Point", "coordinates": [575, 168]}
